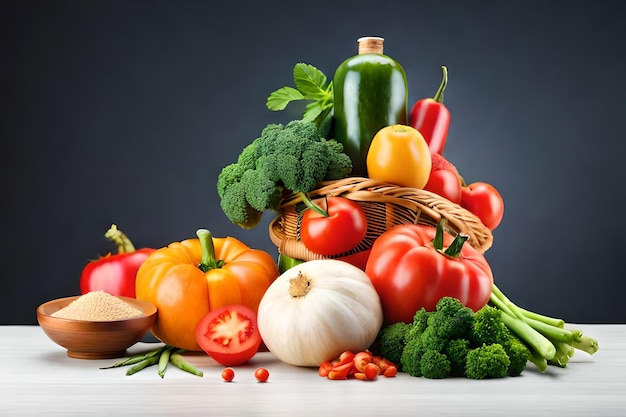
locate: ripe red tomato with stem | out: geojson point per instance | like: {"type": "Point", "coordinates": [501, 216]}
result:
{"type": "Point", "coordinates": [229, 334]}
{"type": "Point", "coordinates": [483, 200]}
{"type": "Point", "coordinates": [335, 226]}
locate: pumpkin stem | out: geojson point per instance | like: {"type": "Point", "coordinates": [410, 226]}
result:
{"type": "Point", "coordinates": [208, 261]}
{"type": "Point", "coordinates": [124, 245]}
{"type": "Point", "coordinates": [299, 286]}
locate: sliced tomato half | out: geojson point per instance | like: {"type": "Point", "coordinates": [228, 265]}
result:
{"type": "Point", "coordinates": [229, 334]}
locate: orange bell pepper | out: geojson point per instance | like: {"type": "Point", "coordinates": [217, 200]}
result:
{"type": "Point", "coordinates": [187, 279]}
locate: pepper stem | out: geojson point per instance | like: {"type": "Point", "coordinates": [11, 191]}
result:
{"type": "Point", "coordinates": [438, 240]}
{"type": "Point", "coordinates": [310, 204]}
{"type": "Point", "coordinates": [455, 247]}
{"type": "Point", "coordinates": [124, 245]}
{"type": "Point", "coordinates": [208, 261]}
{"type": "Point", "coordinates": [457, 244]}
{"type": "Point", "coordinates": [444, 82]}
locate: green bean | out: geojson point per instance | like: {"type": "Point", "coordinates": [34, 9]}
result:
{"type": "Point", "coordinates": [180, 362]}
{"type": "Point", "coordinates": [153, 360]}
{"type": "Point", "coordinates": [164, 359]}
{"type": "Point", "coordinates": [136, 358]}
{"type": "Point", "coordinates": [128, 361]}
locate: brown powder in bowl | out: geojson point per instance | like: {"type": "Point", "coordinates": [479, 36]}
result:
{"type": "Point", "coordinates": [97, 306]}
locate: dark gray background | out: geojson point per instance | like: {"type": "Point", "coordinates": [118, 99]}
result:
{"type": "Point", "coordinates": [125, 112]}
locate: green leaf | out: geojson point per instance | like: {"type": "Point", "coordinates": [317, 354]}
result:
{"type": "Point", "coordinates": [279, 99]}
{"type": "Point", "coordinates": [310, 81]}
{"type": "Point", "coordinates": [313, 110]}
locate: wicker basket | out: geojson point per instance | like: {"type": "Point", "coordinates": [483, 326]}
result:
{"type": "Point", "coordinates": [385, 205]}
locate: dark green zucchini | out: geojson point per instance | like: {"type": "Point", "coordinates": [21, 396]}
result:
{"type": "Point", "coordinates": [370, 92]}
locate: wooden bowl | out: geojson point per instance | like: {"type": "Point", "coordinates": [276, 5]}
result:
{"type": "Point", "coordinates": [95, 339]}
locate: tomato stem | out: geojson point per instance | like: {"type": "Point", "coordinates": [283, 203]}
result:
{"type": "Point", "coordinates": [310, 204]}
{"type": "Point", "coordinates": [444, 82]}
{"type": "Point", "coordinates": [124, 245]}
{"type": "Point", "coordinates": [208, 251]}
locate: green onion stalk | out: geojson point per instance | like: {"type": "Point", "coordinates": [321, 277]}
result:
{"type": "Point", "coordinates": [549, 340]}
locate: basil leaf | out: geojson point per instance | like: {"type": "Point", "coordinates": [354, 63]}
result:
{"type": "Point", "coordinates": [279, 99]}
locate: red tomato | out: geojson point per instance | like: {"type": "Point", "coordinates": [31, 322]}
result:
{"type": "Point", "coordinates": [446, 184]}
{"type": "Point", "coordinates": [338, 232]}
{"type": "Point", "coordinates": [229, 334]}
{"type": "Point", "coordinates": [261, 374]}
{"type": "Point", "coordinates": [228, 374]}
{"type": "Point", "coordinates": [485, 202]}
{"type": "Point", "coordinates": [409, 273]}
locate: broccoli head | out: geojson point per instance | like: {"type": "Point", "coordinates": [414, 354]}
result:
{"type": "Point", "coordinates": [487, 361]}
{"type": "Point", "coordinates": [293, 157]}
{"type": "Point", "coordinates": [391, 341]}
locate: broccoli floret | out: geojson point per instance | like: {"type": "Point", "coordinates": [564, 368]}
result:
{"type": "Point", "coordinates": [293, 157]}
{"type": "Point", "coordinates": [451, 319]}
{"type": "Point", "coordinates": [240, 212]}
{"type": "Point", "coordinates": [391, 341]}
{"type": "Point", "coordinates": [518, 354]}
{"type": "Point", "coordinates": [247, 158]}
{"type": "Point", "coordinates": [261, 192]}
{"type": "Point", "coordinates": [340, 166]}
{"type": "Point", "coordinates": [420, 320]}
{"type": "Point", "coordinates": [456, 351]}
{"type": "Point", "coordinates": [431, 339]}
{"type": "Point", "coordinates": [488, 327]}
{"type": "Point", "coordinates": [487, 361]}
{"type": "Point", "coordinates": [435, 365]}
{"type": "Point", "coordinates": [411, 358]}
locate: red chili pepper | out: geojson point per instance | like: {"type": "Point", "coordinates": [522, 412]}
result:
{"type": "Point", "coordinates": [115, 273]}
{"type": "Point", "coordinates": [432, 118]}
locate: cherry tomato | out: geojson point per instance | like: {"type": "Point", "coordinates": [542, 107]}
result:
{"type": "Point", "coordinates": [485, 202]}
{"type": "Point", "coordinates": [391, 371]}
{"type": "Point", "coordinates": [229, 334]}
{"type": "Point", "coordinates": [340, 231]}
{"type": "Point", "coordinates": [228, 374]}
{"type": "Point", "coordinates": [261, 374]}
{"type": "Point", "coordinates": [446, 184]}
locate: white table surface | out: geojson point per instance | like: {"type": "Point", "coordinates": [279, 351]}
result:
{"type": "Point", "coordinates": [38, 378]}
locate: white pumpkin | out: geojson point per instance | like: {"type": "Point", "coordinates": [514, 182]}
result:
{"type": "Point", "coordinates": [318, 309]}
